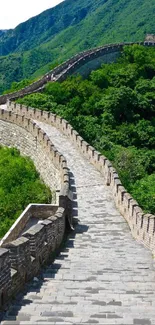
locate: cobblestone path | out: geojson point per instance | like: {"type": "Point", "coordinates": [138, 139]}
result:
{"type": "Point", "coordinates": [103, 276]}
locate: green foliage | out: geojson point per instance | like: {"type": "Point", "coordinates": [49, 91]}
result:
{"type": "Point", "coordinates": [19, 186]}
{"type": "Point", "coordinates": [69, 28]}
{"type": "Point", "coordinates": [114, 110]}
{"type": "Point", "coordinates": [15, 86]}
{"type": "Point", "coordinates": [144, 191]}
{"type": "Point", "coordinates": [38, 100]}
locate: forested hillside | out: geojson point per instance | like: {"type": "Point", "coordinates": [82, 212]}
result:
{"type": "Point", "coordinates": [19, 186]}
{"type": "Point", "coordinates": [72, 26]}
{"type": "Point", "coordinates": [114, 110]}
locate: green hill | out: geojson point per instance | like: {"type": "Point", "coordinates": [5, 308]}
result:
{"type": "Point", "coordinates": [33, 46]}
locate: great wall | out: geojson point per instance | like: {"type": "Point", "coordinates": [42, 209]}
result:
{"type": "Point", "coordinates": [103, 275]}
{"type": "Point", "coordinates": [72, 66]}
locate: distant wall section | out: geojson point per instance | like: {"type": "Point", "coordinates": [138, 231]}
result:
{"type": "Point", "coordinates": [70, 67]}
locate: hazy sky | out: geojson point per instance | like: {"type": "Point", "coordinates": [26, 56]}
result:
{"type": "Point", "coordinates": [13, 12]}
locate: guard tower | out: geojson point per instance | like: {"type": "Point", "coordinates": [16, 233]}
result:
{"type": "Point", "coordinates": [149, 39]}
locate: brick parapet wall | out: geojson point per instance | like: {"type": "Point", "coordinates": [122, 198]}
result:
{"type": "Point", "coordinates": [142, 225]}
{"type": "Point", "coordinates": [22, 258]}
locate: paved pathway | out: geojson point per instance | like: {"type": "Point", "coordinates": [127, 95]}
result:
{"type": "Point", "coordinates": [103, 276]}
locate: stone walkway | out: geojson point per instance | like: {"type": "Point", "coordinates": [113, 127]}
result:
{"type": "Point", "coordinates": [103, 276]}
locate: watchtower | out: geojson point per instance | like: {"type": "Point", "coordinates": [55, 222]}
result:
{"type": "Point", "coordinates": [149, 39]}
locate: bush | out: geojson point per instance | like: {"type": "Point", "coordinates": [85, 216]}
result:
{"type": "Point", "coordinates": [19, 186]}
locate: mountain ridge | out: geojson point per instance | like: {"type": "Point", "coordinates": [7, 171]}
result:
{"type": "Point", "coordinates": [70, 27]}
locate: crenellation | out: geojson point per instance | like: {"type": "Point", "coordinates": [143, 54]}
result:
{"type": "Point", "coordinates": [46, 115]}
{"type": "Point", "coordinates": [69, 131]}
{"type": "Point", "coordinates": [132, 204]}
{"type": "Point", "coordinates": [91, 151]}
{"type": "Point", "coordinates": [74, 136]}
{"type": "Point", "coordinates": [64, 124]}
{"type": "Point", "coordinates": [79, 141]}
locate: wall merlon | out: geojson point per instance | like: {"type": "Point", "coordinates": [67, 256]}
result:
{"type": "Point", "coordinates": [50, 233]}
{"type": "Point", "coordinates": [69, 129]}
{"type": "Point", "coordinates": [152, 224]}
{"type": "Point", "coordinates": [91, 151]}
{"type": "Point", "coordinates": [79, 141]}
{"type": "Point", "coordinates": [145, 225]}
{"type": "Point", "coordinates": [34, 230]}
{"type": "Point", "coordinates": [117, 183]}
{"type": "Point", "coordinates": [64, 124]}
{"type": "Point", "coordinates": [122, 198]}
{"type": "Point", "coordinates": [19, 243]}
{"type": "Point", "coordinates": [19, 254]}
{"type": "Point", "coordinates": [139, 217]}
{"type": "Point", "coordinates": [137, 210]}
{"type": "Point", "coordinates": [132, 204]}
{"type": "Point", "coordinates": [52, 219]}
{"type": "Point", "coordinates": [36, 235]}
{"type": "Point", "coordinates": [97, 155]}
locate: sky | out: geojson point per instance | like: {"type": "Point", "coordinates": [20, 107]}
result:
{"type": "Point", "coordinates": [14, 12]}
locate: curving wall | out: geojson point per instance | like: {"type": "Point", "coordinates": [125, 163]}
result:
{"type": "Point", "coordinates": [142, 225]}
{"type": "Point", "coordinates": [72, 66]}
{"type": "Point", "coordinates": [22, 258]}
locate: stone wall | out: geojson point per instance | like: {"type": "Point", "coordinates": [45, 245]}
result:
{"type": "Point", "coordinates": [142, 225]}
{"type": "Point", "coordinates": [22, 258]}
{"type": "Point", "coordinates": [67, 68]}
